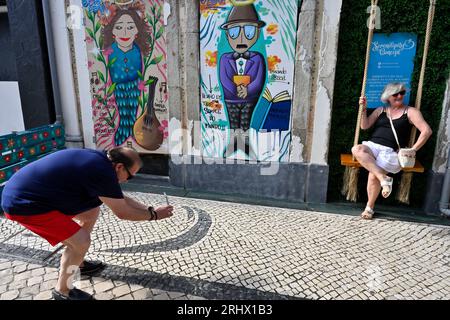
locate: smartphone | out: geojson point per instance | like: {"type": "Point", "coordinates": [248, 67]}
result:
{"type": "Point", "coordinates": [167, 199]}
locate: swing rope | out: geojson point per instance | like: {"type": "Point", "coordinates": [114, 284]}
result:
{"type": "Point", "coordinates": [405, 184]}
{"type": "Point", "coordinates": [373, 14]}
{"type": "Point", "coordinates": [350, 185]}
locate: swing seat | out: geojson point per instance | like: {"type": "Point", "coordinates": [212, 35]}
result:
{"type": "Point", "coordinates": [347, 161]}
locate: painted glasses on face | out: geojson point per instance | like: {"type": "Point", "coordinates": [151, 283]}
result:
{"type": "Point", "coordinates": [249, 31]}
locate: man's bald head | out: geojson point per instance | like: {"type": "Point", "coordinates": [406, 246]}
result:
{"type": "Point", "coordinates": [127, 156]}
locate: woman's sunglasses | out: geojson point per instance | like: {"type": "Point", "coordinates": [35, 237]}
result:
{"type": "Point", "coordinates": [402, 93]}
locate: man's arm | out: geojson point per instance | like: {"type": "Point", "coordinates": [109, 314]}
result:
{"type": "Point", "coordinates": [135, 204]}
{"type": "Point", "coordinates": [227, 83]}
{"type": "Point", "coordinates": [129, 209]}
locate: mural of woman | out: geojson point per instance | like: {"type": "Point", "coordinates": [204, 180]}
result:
{"type": "Point", "coordinates": [125, 37]}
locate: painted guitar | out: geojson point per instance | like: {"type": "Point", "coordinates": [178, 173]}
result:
{"type": "Point", "coordinates": [146, 129]}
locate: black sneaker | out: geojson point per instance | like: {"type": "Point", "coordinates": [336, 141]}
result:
{"type": "Point", "coordinates": [91, 268]}
{"type": "Point", "coordinates": [74, 294]}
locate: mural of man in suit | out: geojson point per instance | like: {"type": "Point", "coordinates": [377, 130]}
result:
{"type": "Point", "coordinates": [242, 72]}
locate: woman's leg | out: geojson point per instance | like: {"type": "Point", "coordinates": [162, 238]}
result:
{"type": "Point", "coordinates": [373, 191]}
{"type": "Point", "coordinates": [366, 158]}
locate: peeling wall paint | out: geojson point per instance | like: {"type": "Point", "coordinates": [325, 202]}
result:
{"type": "Point", "coordinates": [332, 10]}
{"type": "Point", "coordinates": [176, 137]}
{"type": "Point", "coordinates": [442, 145]}
{"type": "Point", "coordinates": [305, 59]}
{"type": "Point", "coordinates": [329, 36]}
{"type": "Point", "coordinates": [296, 150]}
{"type": "Point", "coordinates": [325, 82]}
{"type": "Point", "coordinates": [167, 12]}
{"type": "Point", "coordinates": [322, 122]}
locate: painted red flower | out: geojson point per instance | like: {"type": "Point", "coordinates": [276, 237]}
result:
{"type": "Point", "coordinates": [273, 62]}
{"type": "Point", "coordinates": [58, 132]}
{"type": "Point", "coordinates": [2, 174]}
{"type": "Point", "coordinates": [45, 134]}
{"type": "Point", "coordinates": [24, 139]}
{"type": "Point", "coordinates": [43, 147]}
{"type": "Point", "coordinates": [20, 154]}
{"type": "Point", "coordinates": [141, 86]}
{"type": "Point", "coordinates": [32, 151]}
{"type": "Point", "coordinates": [11, 143]}
{"type": "Point", "coordinates": [7, 158]}
{"type": "Point", "coordinates": [108, 52]}
{"type": "Point", "coordinates": [272, 28]}
{"type": "Point", "coordinates": [211, 58]}
{"type": "Point", "coordinates": [1, 147]}
{"type": "Point", "coordinates": [164, 125]}
{"type": "Point", "coordinates": [35, 136]}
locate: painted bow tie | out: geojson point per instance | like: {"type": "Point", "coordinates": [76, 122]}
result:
{"type": "Point", "coordinates": [245, 55]}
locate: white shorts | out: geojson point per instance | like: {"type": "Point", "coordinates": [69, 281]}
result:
{"type": "Point", "coordinates": [386, 157]}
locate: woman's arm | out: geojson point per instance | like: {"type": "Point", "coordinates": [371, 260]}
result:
{"type": "Point", "coordinates": [368, 121]}
{"type": "Point", "coordinates": [416, 118]}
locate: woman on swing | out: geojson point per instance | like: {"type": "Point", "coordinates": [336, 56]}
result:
{"type": "Point", "coordinates": [379, 154]}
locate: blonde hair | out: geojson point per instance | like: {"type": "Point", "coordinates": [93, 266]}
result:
{"type": "Point", "coordinates": [392, 88]}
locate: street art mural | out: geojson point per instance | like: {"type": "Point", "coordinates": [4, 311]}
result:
{"type": "Point", "coordinates": [127, 64]}
{"type": "Point", "coordinates": [247, 69]}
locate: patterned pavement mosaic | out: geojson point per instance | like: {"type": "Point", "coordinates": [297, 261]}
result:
{"type": "Point", "coordinates": [218, 250]}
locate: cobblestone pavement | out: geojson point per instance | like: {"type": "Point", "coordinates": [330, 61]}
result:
{"type": "Point", "coordinates": [217, 250]}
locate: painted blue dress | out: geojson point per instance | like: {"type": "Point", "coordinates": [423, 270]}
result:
{"type": "Point", "coordinates": [124, 72]}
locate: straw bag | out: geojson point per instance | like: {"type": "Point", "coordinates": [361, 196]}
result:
{"type": "Point", "coordinates": [405, 157]}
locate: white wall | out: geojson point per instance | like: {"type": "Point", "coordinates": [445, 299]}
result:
{"type": "Point", "coordinates": [11, 118]}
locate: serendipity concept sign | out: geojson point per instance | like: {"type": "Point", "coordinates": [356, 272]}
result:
{"type": "Point", "coordinates": [391, 60]}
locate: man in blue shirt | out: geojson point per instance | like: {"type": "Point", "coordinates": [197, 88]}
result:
{"type": "Point", "coordinates": [47, 195]}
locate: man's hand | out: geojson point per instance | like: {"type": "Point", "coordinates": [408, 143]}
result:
{"type": "Point", "coordinates": [239, 91]}
{"type": "Point", "coordinates": [164, 212]}
{"type": "Point", "coordinates": [242, 91]}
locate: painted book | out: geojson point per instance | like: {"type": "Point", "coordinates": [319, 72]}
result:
{"type": "Point", "coordinates": [273, 113]}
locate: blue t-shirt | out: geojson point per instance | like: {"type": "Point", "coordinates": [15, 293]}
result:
{"type": "Point", "coordinates": [70, 181]}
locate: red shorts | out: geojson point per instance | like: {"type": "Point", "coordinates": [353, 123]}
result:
{"type": "Point", "coordinates": [53, 226]}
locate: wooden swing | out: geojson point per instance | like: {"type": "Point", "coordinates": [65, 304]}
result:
{"type": "Point", "coordinates": [350, 186]}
